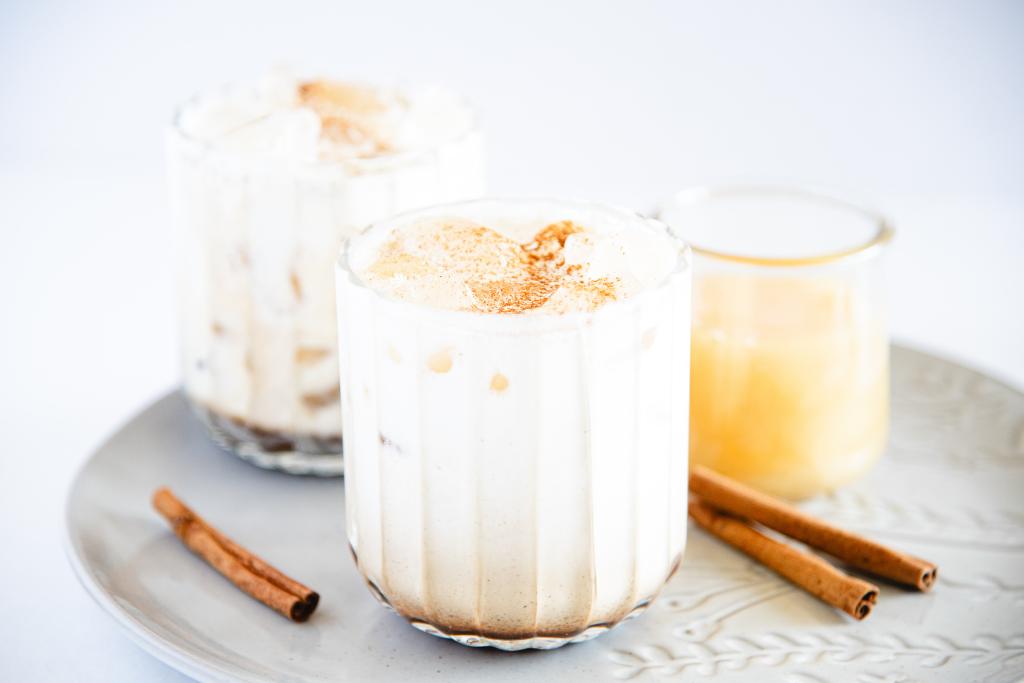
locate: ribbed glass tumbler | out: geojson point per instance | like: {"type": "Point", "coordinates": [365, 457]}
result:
{"type": "Point", "coordinates": [516, 481]}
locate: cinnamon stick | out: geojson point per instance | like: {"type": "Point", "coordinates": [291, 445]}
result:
{"type": "Point", "coordinates": [856, 551]}
{"type": "Point", "coordinates": [247, 571]}
{"type": "Point", "coordinates": [813, 574]}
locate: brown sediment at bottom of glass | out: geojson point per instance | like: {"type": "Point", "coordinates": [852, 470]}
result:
{"type": "Point", "coordinates": [273, 449]}
{"type": "Point", "coordinates": [508, 640]}
{"type": "Point", "coordinates": [540, 639]}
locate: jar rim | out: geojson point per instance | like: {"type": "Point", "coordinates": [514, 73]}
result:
{"type": "Point", "coordinates": [693, 196]}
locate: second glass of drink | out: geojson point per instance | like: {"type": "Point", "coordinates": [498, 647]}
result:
{"type": "Point", "coordinates": [267, 181]}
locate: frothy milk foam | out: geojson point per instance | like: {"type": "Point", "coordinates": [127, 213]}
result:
{"type": "Point", "coordinates": [504, 267]}
{"type": "Point", "coordinates": [515, 384]}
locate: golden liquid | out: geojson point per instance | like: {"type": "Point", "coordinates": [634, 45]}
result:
{"type": "Point", "coordinates": [789, 382]}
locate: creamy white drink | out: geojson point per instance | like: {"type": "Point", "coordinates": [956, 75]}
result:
{"type": "Point", "coordinates": [267, 181]}
{"type": "Point", "coordinates": [514, 405]}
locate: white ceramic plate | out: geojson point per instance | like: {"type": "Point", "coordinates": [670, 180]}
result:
{"type": "Point", "coordinates": [951, 488]}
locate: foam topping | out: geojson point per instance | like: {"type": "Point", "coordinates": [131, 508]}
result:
{"type": "Point", "coordinates": [323, 119]}
{"type": "Point", "coordinates": [459, 264]}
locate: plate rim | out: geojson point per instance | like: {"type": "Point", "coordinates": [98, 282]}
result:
{"type": "Point", "coordinates": [149, 641]}
{"type": "Point", "coordinates": [161, 649]}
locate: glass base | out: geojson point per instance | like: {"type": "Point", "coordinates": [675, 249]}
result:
{"type": "Point", "coordinates": [540, 642]}
{"type": "Point", "coordinates": [302, 454]}
{"type": "Point", "coordinates": [537, 642]}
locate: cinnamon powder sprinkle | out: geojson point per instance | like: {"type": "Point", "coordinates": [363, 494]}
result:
{"type": "Point", "coordinates": [347, 115]}
{"type": "Point", "coordinates": [491, 273]}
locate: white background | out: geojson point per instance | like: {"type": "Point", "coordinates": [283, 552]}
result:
{"type": "Point", "coordinates": [916, 107]}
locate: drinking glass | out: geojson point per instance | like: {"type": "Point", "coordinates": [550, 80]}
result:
{"type": "Point", "coordinates": [515, 480]}
{"type": "Point", "coordinates": [259, 236]}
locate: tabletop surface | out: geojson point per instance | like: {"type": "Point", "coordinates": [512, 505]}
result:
{"type": "Point", "coordinates": [916, 108]}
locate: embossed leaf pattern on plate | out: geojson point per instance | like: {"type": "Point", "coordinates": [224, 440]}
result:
{"type": "Point", "coordinates": [951, 487]}
{"type": "Point", "coordinates": [775, 649]}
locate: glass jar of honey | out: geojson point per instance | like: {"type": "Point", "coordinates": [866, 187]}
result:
{"type": "Point", "coordinates": [790, 348]}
